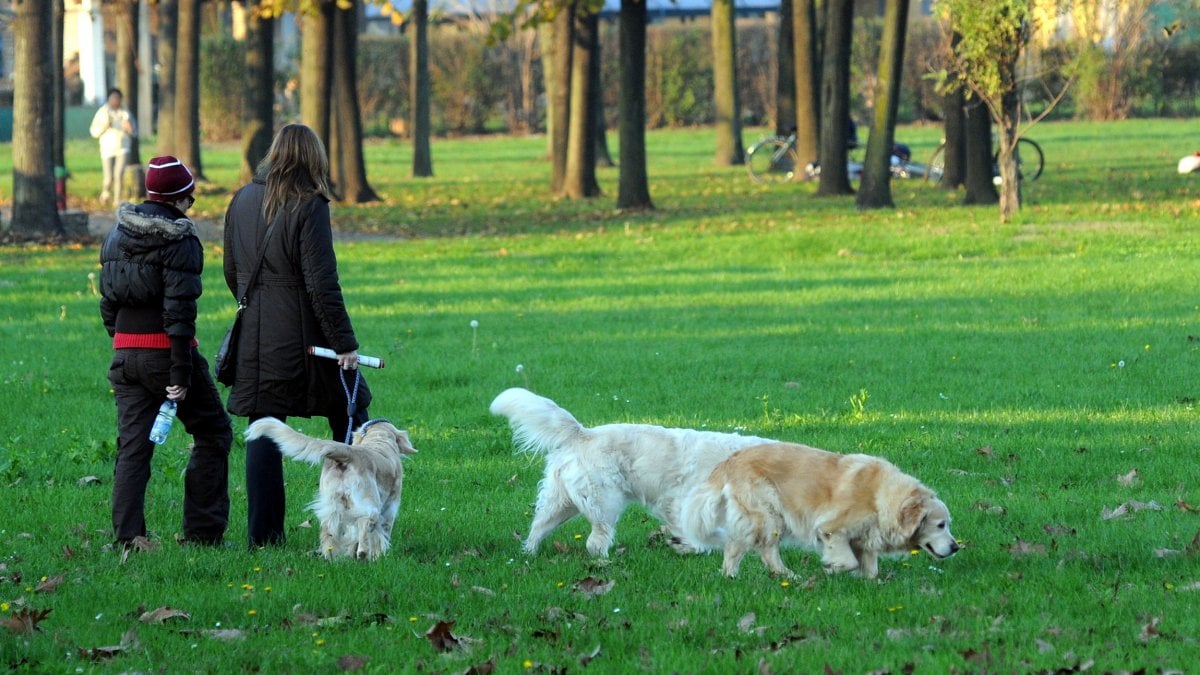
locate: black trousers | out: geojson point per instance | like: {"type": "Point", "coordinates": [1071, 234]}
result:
{"type": "Point", "coordinates": [139, 378]}
{"type": "Point", "coordinates": [266, 503]}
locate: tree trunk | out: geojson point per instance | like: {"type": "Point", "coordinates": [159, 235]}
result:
{"type": "Point", "coordinates": [596, 102]}
{"type": "Point", "coordinates": [59, 84]}
{"type": "Point", "coordinates": [125, 16]}
{"type": "Point", "coordinates": [419, 89]}
{"type": "Point", "coordinates": [560, 94]}
{"type": "Point", "coordinates": [804, 53]}
{"type": "Point", "coordinates": [187, 88]}
{"type": "Point", "coordinates": [876, 189]}
{"type": "Point", "coordinates": [258, 116]}
{"type": "Point", "coordinates": [835, 97]}
{"type": "Point", "coordinates": [954, 151]}
{"type": "Point", "coordinates": [580, 178]}
{"type": "Point", "coordinates": [547, 47]}
{"type": "Point", "coordinates": [34, 212]}
{"type": "Point", "coordinates": [354, 187]}
{"type": "Point", "coordinates": [977, 131]}
{"type": "Point", "coordinates": [785, 79]}
{"type": "Point", "coordinates": [316, 45]}
{"type": "Point", "coordinates": [633, 191]}
{"type": "Point", "coordinates": [168, 15]}
{"type": "Point", "coordinates": [725, 86]}
{"type": "Point", "coordinates": [1010, 179]}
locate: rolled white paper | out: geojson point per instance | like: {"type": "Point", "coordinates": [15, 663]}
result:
{"type": "Point", "coordinates": [364, 361]}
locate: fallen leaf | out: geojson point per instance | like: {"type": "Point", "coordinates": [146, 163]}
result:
{"type": "Point", "coordinates": [225, 634]}
{"type": "Point", "coordinates": [128, 641]}
{"type": "Point", "coordinates": [305, 524]}
{"type": "Point", "coordinates": [591, 586]}
{"type": "Point", "coordinates": [1185, 507]}
{"type": "Point", "coordinates": [440, 636]}
{"type": "Point", "coordinates": [1129, 478]}
{"type": "Point", "coordinates": [483, 591]}
{"type": "Point", "coordinates": [560, 546]}
{"type": "Point", "coordinates": [349, 663]}
{"type": "Point", "coordinates": [545, 634]}
{"type": "Point", "coordinates": [1135, 506]}
{"type": "Point", "coordinates": [68, 552]}
{"type": "Point", "coordinates": [986, 451]}
{"type": "Point", "coordinates": [1057, 530]}
{"type": "Point", "coordinates": [1149, 630]}
{"type": "Point", "coordinates": [1166, 552]}
{"type": "Point", "coordinates": [25, 621]}
{"type": "Point", "coordinates": [1023, 548]}
{"type": "Point", "coordinates": [164, 614]}
{"type": "Point", "coordinates": [1043, 646]}
{"type": "Point", "coordinates": [1193, 547]}
{"type": "Point", "coordinates": [49, 585]}
{"type": "Point", "coordinates": [87, 480]}
{"type": "Point", "coordinates": [588, 657]}
{"type": "Point", "coordinates": [746, 623]}
{"type": "Point", "coordinates": [1107, 514]}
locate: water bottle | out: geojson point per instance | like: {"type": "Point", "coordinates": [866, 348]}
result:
{"type": "Point", "coordinates": [162, 423]}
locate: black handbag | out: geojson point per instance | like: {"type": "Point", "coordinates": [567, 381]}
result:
{"type": "Point", "coordinates": [225, 362]}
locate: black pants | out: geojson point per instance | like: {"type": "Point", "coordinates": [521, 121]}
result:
{"type": "Point", "coordinates": [266, 502]}
{"type": "Point", "coordinates": [139, 378]}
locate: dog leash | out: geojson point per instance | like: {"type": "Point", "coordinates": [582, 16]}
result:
{"type": "Point", "coordinates": [351, 401]}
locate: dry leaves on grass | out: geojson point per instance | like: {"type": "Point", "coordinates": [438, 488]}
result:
{"type": "Point", "coordinates": [592, 587]}
{"type": "Point", "coordinates": [163, 615]}
{"type": "Point", "coordinates": [128, 641]}
{"type": "Point", "coordinates": [1129, 507]}
{"type": "Point", "coordinates": [1150, 629]}
{"type": "Point", "coordinates": [87, 480]}
{"type": "Point", "coordinates": [1022, 548]}
{"type": "Point", "coordinates": [1185, 507]}
{"type": "Point", "coordinates": [351, 663]}
{"type": "Point", "coordinates": [25, 621]}
{"type": "Point", "coordinates": [1128, 479]}
{"type": "Point", "coordinates": [443, 638]}
{"type": "Point", "coordinates": [49, 584]}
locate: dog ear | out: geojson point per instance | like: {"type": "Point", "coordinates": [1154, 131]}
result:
{"type": "Point", "coordinates": [402, 441]}
{"type": "Point", "coordinates": [912, 512]}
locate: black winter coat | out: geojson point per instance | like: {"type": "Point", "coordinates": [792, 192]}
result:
{"type": "Point", "coordinates": [150, 279]}
{"type": "Point", "coordinates": [295, 303]}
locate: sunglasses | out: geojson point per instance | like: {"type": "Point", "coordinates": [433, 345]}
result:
{"type": "Point", "coordinates": [190, 200]}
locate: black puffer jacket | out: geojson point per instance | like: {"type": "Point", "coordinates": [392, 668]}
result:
{"type": "Point", "coordinates": [295, 303]}
{"type": "Point", "coordinates": [150, 279]}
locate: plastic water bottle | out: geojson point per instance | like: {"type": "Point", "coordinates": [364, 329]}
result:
{"type": "Point", "coordinates": [162, 423]}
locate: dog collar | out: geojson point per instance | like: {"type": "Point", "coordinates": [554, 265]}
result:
{"type": "Point", "coordinates": [369, 423]}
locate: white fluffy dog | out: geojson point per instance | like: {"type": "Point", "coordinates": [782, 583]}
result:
{"type": "Point", "coordinates": [597, 472]}
{"type": "Point", "coordinates": [359, 494]}
{"type": "Point", "coordinates": [851, 508]}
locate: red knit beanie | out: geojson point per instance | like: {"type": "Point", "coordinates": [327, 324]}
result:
{"type": "Point", "coordinates": [167, 179]}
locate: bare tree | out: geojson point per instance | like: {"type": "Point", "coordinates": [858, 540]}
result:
{"type": "Point", "coordinates": [633, 190]}
{"type": "Point", "coordinates": [804, 55]}
{"type": "Point", "coordinates": [725, 86]}
{"type": "Point", "coordinates": [875, 190]}
{"type": "Point", "coordinates": [316, 46]}
{"type": "Point", "coordinates": [168, 15]}
{"type": "Point", "coordinates": [785, 80]}
{"type": "Point", "coordinates": [125, 15]}
{"type": "Point", "coordinates": [835, 98]}
{"type": "Point", "coordinates": [258, 114]}
{"type": "Point", "coordinates": [580, 178]}
{"type": "Point", "coordinates": [348, 147]}
{"type": "Point", "coordinates": [187, 87]}
{"type": "Point", "coordinates": [59, 85]}
{"type": "Point", "coordinates": [563, 33]}
{"type": "Point", "coordinates": [419, 90]}
{"type": "Point", "coordinates": [34, 213]}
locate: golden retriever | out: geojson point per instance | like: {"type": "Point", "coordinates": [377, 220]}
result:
{"type": "Point", "coordinates": [359, 494]}
{"type": "Point", "coordinates": [851, 508]}
{"type": "Point", "coordinates": [597, 472]}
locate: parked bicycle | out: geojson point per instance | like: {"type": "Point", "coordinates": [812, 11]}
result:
{"type": "Point", "coordinates": [774, 160]}
{"type": "Point", "coordinates": [1030, 161]}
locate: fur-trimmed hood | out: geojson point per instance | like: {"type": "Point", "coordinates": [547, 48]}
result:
{"type": "Point", "coordinates": [154, 219]}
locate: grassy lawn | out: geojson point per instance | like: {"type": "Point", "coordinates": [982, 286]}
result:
{"type": "Point", "coordinates": [1038, 375]}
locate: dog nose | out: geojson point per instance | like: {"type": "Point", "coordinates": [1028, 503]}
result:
{"type": "Point", "coordinates": [954, 548]}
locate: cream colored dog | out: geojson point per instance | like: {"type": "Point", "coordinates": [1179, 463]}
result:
{"type": "Point", "coordinates": [597, 472]}
{"type": "Point", "coordinates": [359, 493]}
{"type": "Point", "coordinates": [851, 508]}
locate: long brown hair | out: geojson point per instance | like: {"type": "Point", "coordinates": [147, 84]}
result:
{"type": "Point", "coordinates": [296, 167]}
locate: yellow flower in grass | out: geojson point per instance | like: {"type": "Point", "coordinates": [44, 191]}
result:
{"type": "Point", "coordinates": [785, 584]}
{"type": "Point", "coordinates": [3, 606]}
{"type": "Point", "coordinates": [897, 608]}
{"type": "Point", "coordinates": [252, 612]}
{"type": "Point", "coordinates": [528, 663]}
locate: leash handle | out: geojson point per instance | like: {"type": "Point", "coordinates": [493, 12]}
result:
{"type": "Point", "coordinates": [365, 361]}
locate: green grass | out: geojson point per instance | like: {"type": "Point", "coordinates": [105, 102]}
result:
{"type": "Point", "coordinates": [985, 359]}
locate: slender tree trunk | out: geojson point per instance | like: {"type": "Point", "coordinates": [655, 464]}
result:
{"type": "Point", "coordinates": [580, 178]}
{"type": "Point", "coordinates": [804, 53]}
{"type": "Point", "coordinates": [528, 82]}
{"type": "Point", "coordinates": [835, 97]}
{"type": "Point", "coordinates": [785, 80]}
{"type": "Point", "coordinates": [187, 88]}
{"type": "Point", "coordinates": [978, 150]}
{"type": "Point", "coordinates": [59, 84]}
{"type": "Point", "coordinates": [725, 86]}
{"type": "Point", "coordinates": [126, 19]}
{"type": "Point", "coordinates": [560, 95]}
{"type": "Point", "coordinates": [419, 89]}
{"type": "Point", "coordinates": [596, 102]}
{"type": "Point", "coordinates": [258, 117]}
{"type": "Point", "coordinates": [876, 189]}
{"type": "Point", "coordinates": [168, 14]}
{"type": "Point", "coordinates": [34, 212]}
{"type": "Point", "coordinates": [316, 45]}
{"type": "Point", "coordinates": [633, 191]}
{"type": "Point", "coordinates": [354, 187]}
{"type": "Point", "coordinates": [954, 152]}
{"type": "Point", "coordinates": [548, 48]}
{"type": "Point", "coordinates": [1010, 179]}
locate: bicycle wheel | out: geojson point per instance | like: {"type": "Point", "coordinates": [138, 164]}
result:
{"type": "Point", "coordinates": [937, 165]}
{"type": "Point", "coordinates": [1030, 160]}
{"type": "Point", "coordinates": [771, 160]}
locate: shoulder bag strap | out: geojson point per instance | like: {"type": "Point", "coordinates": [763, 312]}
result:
{"type": "Point", "coordinates": [262, 254]}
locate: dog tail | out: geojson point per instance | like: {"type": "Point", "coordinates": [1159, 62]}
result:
{"type": "Point", "coordinates": [538, 424]}
{"type": "Point", "coordinates": [703, 514]}
{"type": "Point", "coordinates": [297, 445]}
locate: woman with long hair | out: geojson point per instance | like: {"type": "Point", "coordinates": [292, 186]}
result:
{"type": "Point", "coordinates": [279, 224]}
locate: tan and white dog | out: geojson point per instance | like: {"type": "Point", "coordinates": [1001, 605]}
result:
{"type": "Point", "coordinates": [359, 494]}
{"type": "Point", "coordinates": [597, 472]}
{"type": "Point", "coordinates": [851, 508]}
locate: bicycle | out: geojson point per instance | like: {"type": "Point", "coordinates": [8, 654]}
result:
{"type": "Point", "coordinates": [1030, 161]}
{"type": "Point", "coordinates": [774, 160]}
